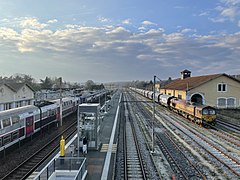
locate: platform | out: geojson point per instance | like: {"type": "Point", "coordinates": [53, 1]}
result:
{"type": "Point", "coordinates": [99, 163]}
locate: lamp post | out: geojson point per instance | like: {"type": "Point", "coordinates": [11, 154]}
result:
{"type": "Point", "coordinates": [78, 132]}
{"type": "Point", "coordinates": [60, 101]}
{"type": "Point", "coordinates": [154, 109]}
{"type": "Point", "coordinates": [153, 118]}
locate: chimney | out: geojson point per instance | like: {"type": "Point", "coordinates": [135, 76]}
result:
{"type": "Point", "coordinates": [185, 74]}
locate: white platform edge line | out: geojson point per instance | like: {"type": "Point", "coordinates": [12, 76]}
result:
{"type": "Point", "coordinates": [109, 153]}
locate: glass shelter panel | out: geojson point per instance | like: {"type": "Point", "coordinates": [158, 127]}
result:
{"type": "Point", "coordinates": [89, 126]}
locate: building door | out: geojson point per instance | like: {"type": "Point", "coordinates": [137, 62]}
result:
{"type": "Point", "coordinates": [197, 98]}
{"type": "Point", "coordinates": [29, 125]}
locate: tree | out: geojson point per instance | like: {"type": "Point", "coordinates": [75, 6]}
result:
{"type": "Point", "coordinates": [89, 85]}
{"type": "Point", "coordinates": [47, 83]}
{"type": "Point", "coordinates": [21, 78]}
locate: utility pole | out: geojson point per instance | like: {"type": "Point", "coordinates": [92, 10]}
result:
{"type": "Point", "coordinates": [105, 101]}
{"type": "Point", "coordinates": [153, 118]}
{"type": "Point", "coordinates": [60, 101]}
{"type": "Point", "coordinates": [78, 130]}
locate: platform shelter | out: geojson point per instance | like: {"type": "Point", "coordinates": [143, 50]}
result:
{"type": "Point", "coordinates": [89, 125]}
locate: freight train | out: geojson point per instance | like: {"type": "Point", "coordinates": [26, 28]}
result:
{"type": "Point", "coordinates": [201, 114]}
{"type": "Point", "coordinates": [19, 123]}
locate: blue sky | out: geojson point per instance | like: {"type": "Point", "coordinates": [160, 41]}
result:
{"type": "Point", "coordinates": [119, 40]}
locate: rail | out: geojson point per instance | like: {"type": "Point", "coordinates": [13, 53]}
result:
{"type": "Point", "coordinates": [23, 170]}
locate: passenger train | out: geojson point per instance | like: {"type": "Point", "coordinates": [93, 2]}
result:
{"type": "Point", "coordinates": [19, 123]}
{"type": "Point", "coordinates": [200, 114]}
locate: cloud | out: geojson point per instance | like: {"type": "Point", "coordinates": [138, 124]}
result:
{"type": "Point", "coordinates": [217, 20]}
{"type": "Point", "coordinates": [187, 30]}
{"type": "Point", "coordinates": [111, 45]}
{"type": "Point", "coordinates": [5, 20]}
{"type": "Point", "coordinates": [8, 34]}
{"type": "Point", "coordinates": [52, 21]}
{"type": "Point", "coordinates": [148, 23]}
{"type": "Point", "coordinates": [229, 12]}
{"type": "Point", "coordinates": [141, 29]}
{"type": "Point", "coordinates": [204, 14]}
{"type": "Point", "coordinates": [102, 19]}
{"type": "Point", "coordinates": [119, 33]}
{"type": "Point", "coordinates": [126, 21]}
{"type": "Point", "coordinates": [232, 2]}
{"type": "Point", "coordinates": [29, 22]}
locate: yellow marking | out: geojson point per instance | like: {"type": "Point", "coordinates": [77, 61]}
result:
{"type": "Point", "coordinates": [32, 176]}
{"type": "Point", "coordinates": [105, 148]}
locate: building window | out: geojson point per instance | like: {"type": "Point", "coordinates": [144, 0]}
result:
{"type": "Point", "coordinates": [221, 102]}
{"type": "Point", "coordinates": [227, 102]}
{"type": "Point", "coordinates": [18, 104]}
{"type": "Point", "coordinates": [222, 87]}
{"type": "Point", "coordinates": [231, 102]}
{"type": "Point", "coordinates": [7, 106]}
{"type": "Point", "coordinates": [179, 96]}
{"type": "Point", "coordinates": [28, 102]}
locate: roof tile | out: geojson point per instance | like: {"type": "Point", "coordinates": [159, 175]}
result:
{"type": "Point", "coordinates": [190, 82]}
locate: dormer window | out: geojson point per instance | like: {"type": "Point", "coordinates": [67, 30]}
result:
{"type": "Point", "coordinates": [222, 87]}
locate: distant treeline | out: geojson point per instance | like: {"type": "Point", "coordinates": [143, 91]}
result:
{"type": "Point", "coordinates": [48, 82]}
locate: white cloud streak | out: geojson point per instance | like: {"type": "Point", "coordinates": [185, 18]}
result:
{"type": "Point", "coordinates": [148, 23]}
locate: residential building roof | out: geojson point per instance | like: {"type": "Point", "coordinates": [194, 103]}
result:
{"type": "Point", "coordinates": [192, 82]}
{"type": "Point", "coordinates": [16, 86]}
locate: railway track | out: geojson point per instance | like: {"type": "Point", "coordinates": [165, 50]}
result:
{"type": "Point", "coordinates": [234, 127]}
{"type": "Point", "coordinates": [222, 157]}
{"type": "Point", "coordinates": [182, 166]}
{"type": "Point", "coordinates": [133, 162]}
{"type": "Point", "coordinates": [233, 140]}
{"type": "Point", "coordinates": [209, 146]}
{"type": "Point", "coordinates": [23, 170]}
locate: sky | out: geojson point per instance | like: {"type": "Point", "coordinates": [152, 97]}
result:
{"type": "Point", "coordinates": [119, 40]}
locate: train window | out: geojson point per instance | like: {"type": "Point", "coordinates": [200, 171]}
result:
{"type": "Point", "coordinates": [37, 117]}
{"type": "Point", "coordinates": [205, 111]}
{"type": "Point", "coordinates": [14, 135]}
{"type": "Point", "coordinates": [15, 119]}
{"type": "Point", "coordinates": [44, 114]}
{"type": "Point", "coordinates": [22, 121]}
{"type": "Point", "coordinates": [0, 141]}
{"type": "Point", "coordinates": [6, 122]}
{"type": "Point", "coordinates": [211, 111]}
{"type": "Point", "coordinates": [6, 139]}
{"type": "Point", "coordinates": [51, 112]}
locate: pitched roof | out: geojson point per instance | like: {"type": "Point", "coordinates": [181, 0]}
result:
{"type": "Point", "coordinates": [16, 86]}
{"type": "Point", "coordinates": [191, 82]}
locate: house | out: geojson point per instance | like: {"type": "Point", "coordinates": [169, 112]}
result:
{"type": "Point", "coordinates": [217, 90]}
{"type": "Point", "coordinates": [14, 95]}
{"type": "Point", "coordinates": [161, 83]}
